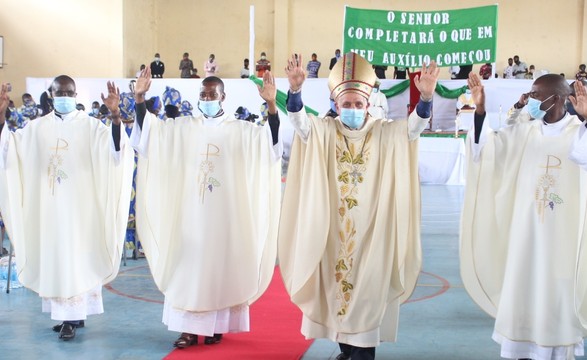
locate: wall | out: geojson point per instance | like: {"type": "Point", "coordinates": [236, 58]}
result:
{"type": "Point", "coordinates": [111, 38]}
{"type": "Point", "coordinates": [80, 38]}
{"type": "Point", "coordinates": [201, 28]}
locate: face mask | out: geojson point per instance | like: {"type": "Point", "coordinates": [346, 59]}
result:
{"type": "Point", "coordinates": [332, 106]}
{"type": "Point", "coordinates": [375, 90]}
{"type": "Point", "coordinates": [353, 118]}
{"type": "Point", "coordinates": [209, 108]}
{"type": "Point", "coordinates": [263, 57]}
{"type": "Point", "coordinates": [95, 111]}
{"type": "Point", "coordinates": [64, 104]}
{"type": "Point", "coordinates": [534, 108]}
{"type": "Point", "coordinates": [157, 59]}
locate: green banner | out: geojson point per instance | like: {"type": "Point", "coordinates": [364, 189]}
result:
{"type": "Point", "coordinates": [410, 39]}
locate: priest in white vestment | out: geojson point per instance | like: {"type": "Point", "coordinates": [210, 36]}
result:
{"type": "Point", "coordinates": [523, 224]}
{"type": "Point", "coordinates": [207, 210]}
{"type": "Point", "coordinates": [378, 107]}
{"type": "Point", "coordinates": [65, 184]}
{"type": "Point", "coordinates": [349, 236]}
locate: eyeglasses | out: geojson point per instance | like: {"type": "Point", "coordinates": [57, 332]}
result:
{"type": "Point", "coordinates": [60, 93]}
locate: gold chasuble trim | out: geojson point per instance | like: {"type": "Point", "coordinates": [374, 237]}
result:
{"type": "Point", "coordinates": [544, 195]}
{"type": "Point", "coordinates": [54, 172]}
{"type": "Point", "coordinates": [350, 165]}
{"type": "Point", "coordinates": [206, 168]}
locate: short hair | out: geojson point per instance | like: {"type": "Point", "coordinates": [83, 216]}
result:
{"type": "Point", "coordinates": [214, 80]}
{"type": "Point", "coordinates": [171, 111]}
{"type": "Point", "coordinates": [186, 54]}
{"type": "Point", "coordinates": [64, 79]}
{"type": "Point", "coordinates": [557, 83]}
{"type": "Point", "coordinates": [157, 55]}
{"type": "Point", "coordinates": [314, 54]}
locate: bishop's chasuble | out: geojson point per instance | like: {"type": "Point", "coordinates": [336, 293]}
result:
{"type": "Point", "coordinates": [64, 195]}
{"type": "Point", "coordinates": [349, 237]}
{"type": "Point", "coordinates": [523, 232]}
{"type": "Point", "coordinates": [208, 194]}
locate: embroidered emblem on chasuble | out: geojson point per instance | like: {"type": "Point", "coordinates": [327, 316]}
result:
{"type": "Point", "coordinates": [206, 181]}
{"type": "Point", "coordinates": [55, 172]}
{"type": "Point", "coordinates": [351, 163]}
{"type": "Point", "coordinates": [545, 194]}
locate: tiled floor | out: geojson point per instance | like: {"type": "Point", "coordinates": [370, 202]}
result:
{"type": "Point", "coordinates": [440, 321]}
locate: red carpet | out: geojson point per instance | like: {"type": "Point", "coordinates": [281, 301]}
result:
{"type": "Point", "coordinates": [275, 332]}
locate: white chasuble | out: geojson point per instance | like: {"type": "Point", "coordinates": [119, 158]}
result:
{"type": "Point", "coordinates": [522, 228]}
{"type": "Point", "coordinates": [349, 238]}
{"type": "Point", "coordinates": [207, 210]}
{"type": "Point", "coordinates": [64, 196]}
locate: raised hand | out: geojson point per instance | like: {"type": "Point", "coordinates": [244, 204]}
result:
{"type": "Point", "coordinates": [477, 92]}
{"type": "Point", "coordinates": [143, 84]}
{"type": "Point", "coordinates": [112, 101]}
{"type": "Point", "coordinates": [579, 101]}
{"type": "Point", "coordinates": [523, 100]}
{"type": "Point", "coordinates": [295, 72]}
{"type": "Point", "coordinates": [4, 101]}
{"type": "Point", "coordinates": [426, 81]}
{"type": "Point", "coordinates": [268, 91]}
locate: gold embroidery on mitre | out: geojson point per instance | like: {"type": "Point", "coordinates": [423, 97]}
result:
{"type": "Point", "coordinates": [351, 73]}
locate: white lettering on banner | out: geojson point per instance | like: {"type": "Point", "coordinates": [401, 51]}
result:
{"type": "Point", "coordinates": [484, 32]}
{"type": "Point", "coordinates": [446, 59]}
{"type": "Point", "coordinates": [367, 54]}
{"type": "Point", "coordinates": [390, 16]}
{"type": "Point", "coordinates": [422, 18]}
{"type": "Point", "coordinates": [460, 35]}
{"type": "Point", "coordinates": [393, 36]}
{"type": "Point", "coordinates": [407, 60]}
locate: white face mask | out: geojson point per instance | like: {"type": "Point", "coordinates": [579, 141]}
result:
{"type": "Point", "coordinates": [534, 110]}
{"type": "Point", "coordinates": [353, 118]}
{"type": "Point", "coordinates": [64, 104]}
{"type": "Point", "coordinates": [209, 108]}
{"type": "Point", "coordinates": [157, 59]}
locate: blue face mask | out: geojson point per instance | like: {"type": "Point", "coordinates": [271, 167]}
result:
{"type": "Point", "coordinates": [209, 108]}
{"type": "Point", "coordinates": [64, 104]}
{"type": "Point", "coordinates": [332, 105]}
{"type": "Point", "coordinates": [353, 118]}
{"type": "Point", "coordinates": [534, 108]}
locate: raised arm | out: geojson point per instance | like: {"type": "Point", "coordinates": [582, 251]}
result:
{"type": "Point", "coordinates": [141, 87]}
{"type": "Point", "coordinates": [4, 101]}
{"type": "Point", "coordinates": [426, 84]}
{"type": "Point", "coordinates": [579, 101]}
{"type": "Point", "coordinates": [478, 95]}
{"type": "Point", "coordinates": [268, 92]}
{"type": "Point", "coordinates": [112, 101]}
{"type": "Point", "coordinates": [296, 75]}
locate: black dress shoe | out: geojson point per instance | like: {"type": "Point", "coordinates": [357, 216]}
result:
{"type": "Point", "coordinates": [57, 328]}
{"type": "Point", "coordinates": [67, 332]}
{"type": "Point", "coordinates": [209, 340]}
{"type": "Point", "coordinates": [343, 356]}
